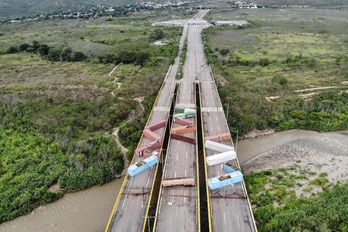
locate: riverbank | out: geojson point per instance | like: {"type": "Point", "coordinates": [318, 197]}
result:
{"type": "Point", "coordinates": [89, 210]}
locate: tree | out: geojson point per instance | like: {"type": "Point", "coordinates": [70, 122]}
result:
{"type": "Point", "coordinates": [35, 45]}
{"type": "Point", "coordinates": [141, 58]}
{"type": "Point", "coordinates": [157, 34]}
{"type": "Point", "coordinates": [54, 55]}
{"type": "Point", "coordinates": [224, 51]}
{"type": "Point", "coordinates": [44, 50]}
{"type": "Point", "coordinates": [78, 56]}
{"type": "Point", "coordinates": [24, 47]}
{"type": "Point", "coordinates": [12, 50]}
{"type": "Point", "coordinates": [66, 54]}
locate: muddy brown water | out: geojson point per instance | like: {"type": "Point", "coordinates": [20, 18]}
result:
{"type": "Point", "coordinates": [89, 210]}
{"type": "Point", "coordinates": [86, 210]}
{"type": "Point", "coordinates": [249, 148]}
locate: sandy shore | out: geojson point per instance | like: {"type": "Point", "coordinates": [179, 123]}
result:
{"type": "Point", "coordinates": [314, 153]}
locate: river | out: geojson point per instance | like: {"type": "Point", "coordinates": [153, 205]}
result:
{"type": "Point", "coordinates": [86, 210]}
{"type": "Point", "coordinates": [89, 210]}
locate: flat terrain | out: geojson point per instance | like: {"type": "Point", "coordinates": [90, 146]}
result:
{"type": "Point", "coordinates": [288, 61]}
{"type": "Point", "coordinates": [301, 171]}
{"type": "Point", "coordinates": [57, 117]}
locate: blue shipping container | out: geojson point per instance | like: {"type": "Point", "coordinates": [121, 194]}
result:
{"type": "Point", "coordinates": [228, 169]}
{"type": "Point", "coordinates": [225, 180]}
{"type": "Point", "coordinates": [141, 166]}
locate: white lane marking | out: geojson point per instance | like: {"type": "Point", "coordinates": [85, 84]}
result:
{"type": "Point", "coordinates": [148, 180]}
{"type": "Point", "coordinates": [185, 172]}
{"type": "Point", "coordinates": [225, 219]}
{"type": "Point", "coordinates": [238, 220]}
{"type": "Point", "coordinates": [219, 129]}
{"type": "Point", "coordinates": [174, 174]}
{"type": "Point", "coordinates": [130, 183]}
{"type": "Point", "coordinates": [211, 128]}
{"type": "Point", "coordinates": [209, 119]}
{"type": "Point", "coordinates": [186, 155]}
{"type": "Point", "coordinates": [124, 200]}
{"type": "Point", "coordinates": [177, 156]}
{"type": "Point", "coordinates": [218, 173]}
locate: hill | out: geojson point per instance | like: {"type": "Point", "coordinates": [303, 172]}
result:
{"type": "Point", "coordinates": [304, 2]}
{"type": "Point", "coordinates": [18, 8]}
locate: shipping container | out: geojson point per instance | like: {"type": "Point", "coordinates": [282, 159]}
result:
{"type": "Point", "coordinates": [183, 129]}
{"type": "Point", "coordinates": [181, 116]}
{"type": "Point", "coordinates": [157, 125]}
{"type": "Point", "coordinates": [227, 167]}
{"type": "Point", "coordinates": [183, 122]}
{"type": "Point", "coordinates": [183, 138]}
{"type": "Point", "coordinates": [141, 166]}
{"type": "Point", "coordinates": [221, 157]}
{"type": "Point", "coordinates": [179, 110]}
{"type": "Point", "coordinates": [190, 115]}
{"type": "Point", "coordinates": [139, 151]}
{"type": "Point", "coordinates": [155, 144]}
{"type": "Point", "coordinates": [225, 180]}
{"type": "Point", "coordinates": [190, 111]}
{"type": "Point", "coordinates": [151, 135]}
{"type": "Point", "coordinates": [217, 146]}
{"type": "Point", "coordinates": [219, 137]}
{"type": "Point", "coordinates": [178, 182]}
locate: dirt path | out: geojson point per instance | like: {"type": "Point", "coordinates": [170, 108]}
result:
{"type": "Point", "coordinates": [115, 131]}
{"type": "Point", "coordinates": [119, 84]}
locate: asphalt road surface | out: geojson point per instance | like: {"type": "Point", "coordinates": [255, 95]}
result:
{"type": "Point", "coordinates": [178, 208]}
{"type": "Point", "coordinates": [131, 208]}
{"type": "Point", "coordinates": [134, 197]}
{"type": "Point", "coordinates": [229, 206]}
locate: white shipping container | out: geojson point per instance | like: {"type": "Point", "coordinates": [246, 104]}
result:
{"type": "Point", "coordinates": [189, 111]}
{"type": "Point", "coordinates": [218, 146]}
{"type": "Point", "coordinates": [221, 157]}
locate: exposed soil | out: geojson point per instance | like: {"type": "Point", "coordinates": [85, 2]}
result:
{"type": "Point", "coordinates": [320, 153]}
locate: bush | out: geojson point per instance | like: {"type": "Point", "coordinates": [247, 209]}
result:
{"type": "Point", "coordinates": [12, 50]}
{"type": "Point", "coordinates": [280, 80]}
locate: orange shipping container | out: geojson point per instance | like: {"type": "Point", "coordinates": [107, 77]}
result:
{"type": "Point", "coordinates": [179, 182]}
{"type": "Point", "coordinates": [183, 129]}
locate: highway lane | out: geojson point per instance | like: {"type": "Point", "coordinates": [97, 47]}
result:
{"type": "Point", "coordinates": [231, 213]}
{"type": "Point", "coordinates": [131, 209]}
{"type": "Point", "coordinates": [177, 208]}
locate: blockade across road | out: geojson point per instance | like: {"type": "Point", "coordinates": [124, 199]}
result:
{"type": "Point", "coordinates": [178, 205]}
{"type": "Point", "coordinates": [131, 207]}
{"type": "Point", "coordinates": [178, 208]}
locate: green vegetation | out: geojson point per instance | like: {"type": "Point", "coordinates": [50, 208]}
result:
{"type": "Point", "coordinates": [279, 73]}
{"type": "Point", "coordinates": [182, 59]}
{"type": "Point", "coordinates": [277, 207]}
{"type": "Point", "coordinates": [56, 116]}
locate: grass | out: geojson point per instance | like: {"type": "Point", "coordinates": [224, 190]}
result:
{"type": "Point", "coordinates": [56, 118]}
{"type": "Point", "coordinates": [293, 44]}
{"type": "Point", "coordinates": [278, 195]}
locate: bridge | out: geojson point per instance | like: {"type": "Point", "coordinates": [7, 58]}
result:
{"type": "Point", "coordinates": [189, 111]}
